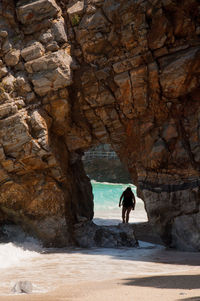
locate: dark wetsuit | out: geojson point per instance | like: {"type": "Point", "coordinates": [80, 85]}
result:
{"type": "Point", "coordinates": [128, 203]}
{"type": "Point", "coordinates": [128, 199]}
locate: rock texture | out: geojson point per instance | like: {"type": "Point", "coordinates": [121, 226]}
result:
{"type": "Point", "coordinates": [106, 170]}
{"type": "Point", "coordinates": [75, 74]}
{"type": "Point", "coordinates": [22, 287]}
{"type": "Point", "coordinates": [88, 234]}
{"type": "Point", "coordinates": [102, 164]}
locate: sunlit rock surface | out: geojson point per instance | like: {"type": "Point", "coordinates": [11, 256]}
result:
{"type": "Point", "coordinates": [75, 74]}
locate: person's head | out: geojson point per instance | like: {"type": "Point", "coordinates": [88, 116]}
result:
{"type": "Point", "coordinates": [128, 189]}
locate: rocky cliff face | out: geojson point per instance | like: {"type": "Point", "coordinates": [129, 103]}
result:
{"type": "Point", "coordinates": [106, 170]}
{"type": "Point", "coordinates": [102, 164]}
{"type": "Point", "coordinates": [75, 74]}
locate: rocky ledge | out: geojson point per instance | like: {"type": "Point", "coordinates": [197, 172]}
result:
{"type": "Point", "coordinates": [76, 74]}
{"type": "Point", "coordinates": [87, 234]}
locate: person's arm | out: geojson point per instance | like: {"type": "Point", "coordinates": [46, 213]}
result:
{"type": "Point", "coordinates": [133, 202]}
{"type": "Point", "coordinates": [120, 201]}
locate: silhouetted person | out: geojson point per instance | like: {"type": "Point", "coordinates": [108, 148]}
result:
{"type": "Point", "coordinates": [128, 202]}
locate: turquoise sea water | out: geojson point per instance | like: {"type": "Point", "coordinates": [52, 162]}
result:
{"type": "Point", "coordinates": [106, 203]}
{"type": "Point", "coordinates": [107, 195]}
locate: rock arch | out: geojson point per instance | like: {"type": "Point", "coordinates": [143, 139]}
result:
{"type": "Point", "coordinates": [81, 73]}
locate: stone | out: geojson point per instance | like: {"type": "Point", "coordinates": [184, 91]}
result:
{"type": "Point", "coordinates": [8, 83]}
{"type": "Point", "coordinates": [186, 66]}
{"type": "Point", "coordinates": [4, 96]}
{"type": "Point", "coordinates": [59, 110]}
{"type": "Point", "coordinates": [139, 88]}
{"type": "Point", "coordinates": [2, 154]}
{"type": "Point", "coordinates": [90, 235]}
{"type": "Point", "coordinates": [34, 51]}
{"type": "Point", "coordinates": [30, 97]}
{"type": "Point", "coordinates": [157, 35]}
{"type": "Point", "coordinates": [59, 31]}
{"type": "Point", "coordinates": [52, 46]}
{"type": "Point", "coordinates": [98, 3]}
{"type": "Point", "coordinates": [37, 27]}
{"type": "Point", "coordinates": [46, 37]}
{"type": "Point", "coordinates": [3, 33]}
{"type": "Point", "coordinates": [111, 9]}
{"type": "Point", "coordinates": [50, 62]}
{"type": "Point", "coordinates": [95, 22]}
{"type": "Point", "coordinates": [169, 131]}
{"type": "Point", "coordinates": [75, 9]}
{"type": "Point", "coordinates": [158, 151]}
{"type": "Point", "coordinates": [13, 136]}
{"type": "Point", "coordinates": [180, 235]}
{"type": "Point", "coordinates": [20, 103]}
{"type": "Point", "coordinates": [128, 64]}
{"type": "Point", "coordinates": [47, 81]}
{"type": "Point", "coordinates": [19, 66]}
{"type": "Point", "coordinates": [123, 81]}
{"type": "Point", "coordinates": [102, 74]}
{"type": "Point", "coordinates": [160, 52]}
{"type": "Point", "coordinates": [12, 57]}
{"type": "Point", "coordinates": [51, 81]}
{"type": "Point", "coordinates": [7, 110]}
{"type": "Point", "coordinates": [108, 170]}
{"type": "Point", "coordinates": [35, 11]}
{"type": "Point", "coordinates": [21, 287]}
{"type": "Point", "coordinates": [22, 82]}
{"type": "Point", "coordinates": [3, 71]}
{"type": "Point", "coordinates": [51, 72]}
{"type": "Point", "coordinates": [7, 45]}
{"type": "Point", "coordinates": [90, 9]}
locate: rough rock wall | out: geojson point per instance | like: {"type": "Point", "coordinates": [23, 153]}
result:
{"type": "Point", "coordinates": [79, 73]}
{"type": "Point", "coordinates": [106, 170]}
{"type": "Point", "coordinates": [102, 164]}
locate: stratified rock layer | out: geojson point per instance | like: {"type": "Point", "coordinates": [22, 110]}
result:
{"type": "Point", "coordinates": [75, 74]}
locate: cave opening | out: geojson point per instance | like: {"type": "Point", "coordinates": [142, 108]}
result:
{"type": "Point", "coordinates": [109, 178]}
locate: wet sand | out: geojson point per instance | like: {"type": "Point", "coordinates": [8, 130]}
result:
{"type": "Point", "coordinates": [181, 286]}
{"type": "Point", "coordinates": [146, 274]}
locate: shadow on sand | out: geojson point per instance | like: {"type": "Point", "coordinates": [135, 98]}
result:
{"type": "Point", "coordinates": [167, 282]}
{"type": "Point", "coordinates": [191, 299]}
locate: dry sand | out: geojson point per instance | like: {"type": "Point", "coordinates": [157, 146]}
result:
{"type": "Point", "coordinates": [168, 287]}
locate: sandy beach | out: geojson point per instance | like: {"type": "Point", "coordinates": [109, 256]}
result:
{"type": "Point", "coordinates": [150, 272]}
{"type": "Point", "coordinates": [179, 286]}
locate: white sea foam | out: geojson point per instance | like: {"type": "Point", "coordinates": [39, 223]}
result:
{"type": "Point", "coordinates": [114, 184]}
{"type": "Point", "coordinates": [12, 256]}
{"type": "Point", "coordinates": [18, 249]}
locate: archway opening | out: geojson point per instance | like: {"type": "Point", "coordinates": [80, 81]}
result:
{"type": "Point", "coordinates": [109, 178]}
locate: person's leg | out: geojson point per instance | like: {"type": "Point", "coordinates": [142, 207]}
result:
{"type": "Point", "coordinates": [127, 213]}
{"type": "Point", "coordinates": [123, 214]}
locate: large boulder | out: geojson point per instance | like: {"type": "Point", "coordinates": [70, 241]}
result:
{"type": "Point", "coordinates": [87, 234]}
{"type": "Point", "coordinates": [35, 11]}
